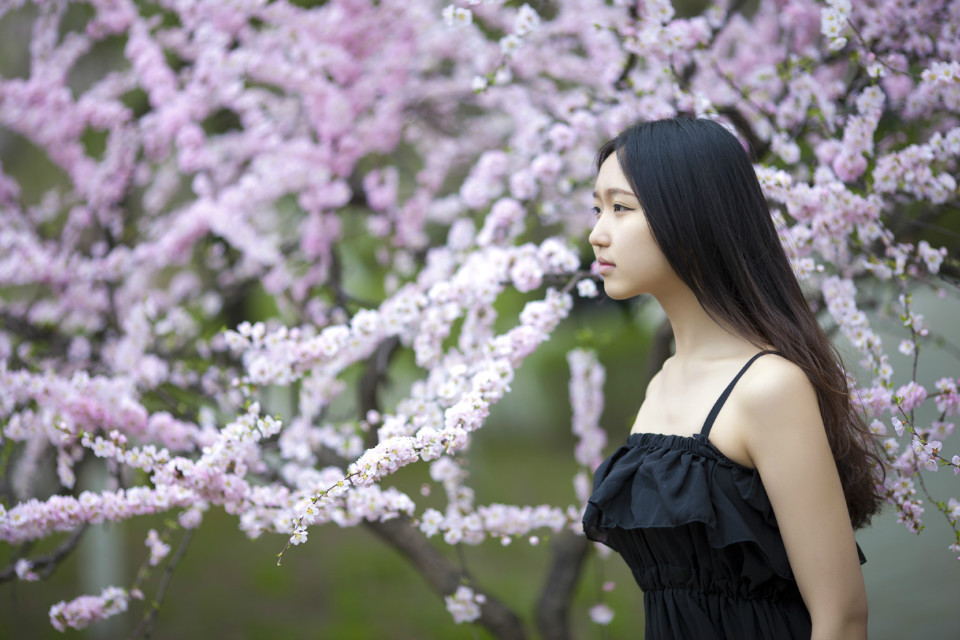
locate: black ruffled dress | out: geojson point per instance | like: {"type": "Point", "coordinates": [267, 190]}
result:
{"type": "Point", "coordinates": [699, 534]}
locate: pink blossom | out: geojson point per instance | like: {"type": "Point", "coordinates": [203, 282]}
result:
{"type": "Point", "coordinates": [849, 167]}
{"type": "Point", "coordinates": [927, 454]}
{"type": "Point", "coordinates": [587, 288]}
{"type": "Point", "coordinates": [527, 20]}
{"type": "Point", "coordinates": [898, 426]}
{"type": "Point", "coordinates": [601, 614]}
{"type": "Point", "coordinates": [526, 273]}
{"type": "Point", "coordinates": [24, 570]}
{"type": "Point", "coordinates": [911, 396]}
{"type": "Point", "coordinates": [907, 347]}
{"type": "Point", "coordinates": [932, 258]}
{"type": "Point", "coordinates": [158, 548]}
{"type": "Point", "coordinates": [430, 522]}
{"type": "Point", "coordinates": [948, 400]}
{"type": "Point", "coordinates": [381, 188]}
{"type": "Point", "coordinates": [503, 224]}
{"type": "Point", "coordinates": [455, 16]}
{"type": "Point", "coordinates": [191, 518]}
{"type": "Point", "coordinates": [546, 167]}
{"type": "Point", "coordinates": [476, 193]}
{"type": "Point", "coordinates": [523, 185]}
{"type": "Point", "coordinates": [464, 604]}
{"type": "Point", "coordinates": [562, 136]}
{"type": "Point", "coordinates": [82, 611]}
{"type": "Point", "coordinates": [586, 397]}
{"type": "Point", "coordinates": [558, 256]}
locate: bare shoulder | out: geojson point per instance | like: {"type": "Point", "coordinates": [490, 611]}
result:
{"type": "Point", "coordinates": [776, 389]}
{"type": "Point", "coordinates": [781, 414]}
{"type": "Point", "coordinates": [654, 384]}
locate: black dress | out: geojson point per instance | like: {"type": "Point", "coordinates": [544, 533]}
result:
{"type": "Point", "coordinates": [699, 534]}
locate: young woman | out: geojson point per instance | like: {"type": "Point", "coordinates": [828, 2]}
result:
{"type": "Point", "coordinates": [735, 498]}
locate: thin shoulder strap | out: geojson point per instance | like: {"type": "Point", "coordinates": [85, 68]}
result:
{"type": "Point", "coordinates": [726, 393]}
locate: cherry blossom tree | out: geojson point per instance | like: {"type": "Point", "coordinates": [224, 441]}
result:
{"type": "Point", "coordinates": [381, 174]}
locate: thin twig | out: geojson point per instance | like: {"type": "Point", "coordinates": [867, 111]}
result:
{"type": "Point", "coordinates": [49, 562]}
{"type": "Point", "coordinates": [866, 46]}
{"type": "Point", "coordinates": [149, 619]}
{"type": "Point", "coordinates": [575, 277]}
{"type": "Point", "coordinates": [914, 433]}
{"type": "Point", "coordinates": [621, 82]}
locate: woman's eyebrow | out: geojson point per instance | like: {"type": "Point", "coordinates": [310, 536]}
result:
{"type": "Point", "coordinates": [614, 191]}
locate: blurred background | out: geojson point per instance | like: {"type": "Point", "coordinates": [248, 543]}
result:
{"type": "Point", "coordinates": [346, 584]}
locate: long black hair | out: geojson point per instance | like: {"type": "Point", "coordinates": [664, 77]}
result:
{"type": "Point", "coordinates": [709, 217]}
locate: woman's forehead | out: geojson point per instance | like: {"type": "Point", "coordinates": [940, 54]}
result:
{"type": "Point", "coordinates": [611, 181]}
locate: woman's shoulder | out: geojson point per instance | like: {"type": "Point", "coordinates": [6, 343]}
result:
{"type": "Point", "coordinates": [774, 383]}
{"type": "Point", "coordinates": [777, 401]}
{"type": "Point", "coordinates": [654, 384]}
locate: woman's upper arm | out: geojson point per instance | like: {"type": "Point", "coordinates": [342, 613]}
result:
{"type": "Point", "coordinates": [785, 438]}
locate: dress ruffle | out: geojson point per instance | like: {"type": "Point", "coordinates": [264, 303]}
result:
{"type": "Point", "coordinates": [667, 481]}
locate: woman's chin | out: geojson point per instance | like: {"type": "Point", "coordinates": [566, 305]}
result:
{"type": "Point", "coordinates": [615, 294]}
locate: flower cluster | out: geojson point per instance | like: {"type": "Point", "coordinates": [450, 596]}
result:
{"type": "Point", "coordinates": [497, 520]}
{"type": "Point", "coordinates": [158, 548]}
{"type": "Point", "coordinates": [80, 612]}
{"type": "Point", "coordinates": [586, 399]}
{"type": "Point", "coordinates": [34, 519]}
{"type": "Point", "coordinates": [464, 605]}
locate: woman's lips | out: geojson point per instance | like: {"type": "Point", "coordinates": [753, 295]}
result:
{"type": "Point", "coordinates": [604, 267]}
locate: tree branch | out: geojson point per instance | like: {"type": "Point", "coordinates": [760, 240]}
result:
{"type": "Point", "coordinates": [58, 343]}
{"type": "Point", "coordinates": [49, 562]}
{"type": "Point", "coordinates": [149, 619]}
{"type": "Point", "coordinates": [440, 573]}
{"type": "Point", "coordinates": [620, 84]}
{"type": "Point", "coordinates": [569, 552]}
{"type": "Point", "coordinates": [443, 576]}
{"type": "Point", "coordinates": [374, 375]}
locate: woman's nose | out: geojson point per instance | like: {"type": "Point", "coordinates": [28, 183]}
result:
{"type": "Point", "coordinates": [598, 236]}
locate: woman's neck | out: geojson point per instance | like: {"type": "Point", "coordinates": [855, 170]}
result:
{"type": "Point", "coordinates": [697, 335]}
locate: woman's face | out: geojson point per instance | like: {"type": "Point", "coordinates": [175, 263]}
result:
{"type": "Point", "coordinates": [630, 261]}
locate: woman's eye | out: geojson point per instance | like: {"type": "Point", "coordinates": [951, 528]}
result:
{"type": "Point", "coordinates": [596, 211]}
{"type": "Point", "coordinates": [620, 207]}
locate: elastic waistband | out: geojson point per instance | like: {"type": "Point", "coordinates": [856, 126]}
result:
{"type": "Point", "coordinates": [769, 592]}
